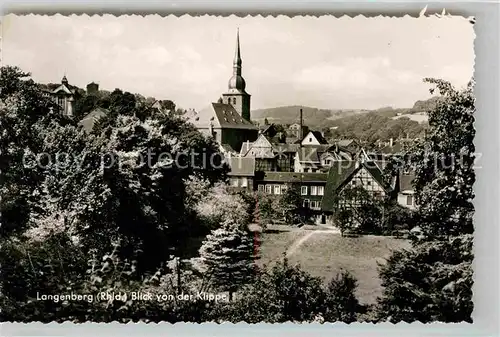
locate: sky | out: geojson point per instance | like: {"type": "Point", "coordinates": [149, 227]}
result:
{"type": "Point", "coordinates": [325, 62]}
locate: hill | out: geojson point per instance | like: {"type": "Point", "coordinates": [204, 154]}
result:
{"type": "Point", "coordinates": [313, 117]}
{"type": "Point", "coordinates": [325, 118]}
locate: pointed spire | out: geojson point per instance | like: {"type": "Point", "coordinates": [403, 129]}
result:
{"type": "Point", "coordinates": [237, 55]}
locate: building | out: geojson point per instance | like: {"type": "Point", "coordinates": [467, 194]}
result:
{"type": "Point", "coordinates": [242, 173]}
{"type": "Point", "coordinates": [311, 186]}
{"type": "Point", "coordinates": [236, 94]}
{"type": "Point", "coordinates": [64, 95]}
{"type": "Point", "coordinates": [294, 131]}
{"type": "Point", "coordinates": [354, 173]}
{"type": "Point", "coordinates": [92, 117]}
{"type": "Point", "coordinates": [314, 138]}
{"type": "Point", "coordinates": [228, 120]}
{"type": "Point", "coordinates": [319, 158]}
{"type": "Point", "coordinates": [92, 88]}
{"type": "Point", "coordinates": [405, 190]}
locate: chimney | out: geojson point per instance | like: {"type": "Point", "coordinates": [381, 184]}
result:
{"type": "Point", "coordinates": [211, 128]}
{"type": "Point", "coordinates": [301, 134]}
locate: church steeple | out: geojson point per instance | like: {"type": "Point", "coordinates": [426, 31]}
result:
{"type": "Point", "coordinates": [236, 95]}
{"type": "Point", "coordinates": [237, 56]}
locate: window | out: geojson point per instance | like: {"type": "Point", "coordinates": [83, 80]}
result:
{"type": "Point", "coordinates": [260, 188]}
{"type": "Point", "coordinates": [321, 190]}
{"type": "Point", "coordinates": [268, 189]}
{"type": "Point", "coordinates": [305, 203]}
{"type": "Point", "coordinates": [409, 200]}
{"type": "Point", "coordinates": [313, 204]}
{"type": "Point", "coordinates": [244, 182]}
{"type": "Point", "coordinates": [377, 195]}
{"type": "Point", "coordinates": [328, 162]}
{"type": "Point", "coordinates": [283, 189]}
{"type": "Point", "coordinates": [303, 190]}
{"type": "Point", "coordinates": [234, 100]}
{"type": "Point", "coordinates": [310, 139]}
{"type": "Point", "coordinates": [314, 190]}
{"type": "Point", "coordinates": [368, 183]}
{"type": "Point", "coordinates": [234, 182]}
{"type": "Point", "coordinates": [277, 189]}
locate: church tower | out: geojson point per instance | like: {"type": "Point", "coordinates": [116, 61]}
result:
{"type": "Point", "coordinates": [236, 94]}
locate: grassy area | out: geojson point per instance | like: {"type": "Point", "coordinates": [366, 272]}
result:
{"type": "Point", "coordinates": [325, 254]}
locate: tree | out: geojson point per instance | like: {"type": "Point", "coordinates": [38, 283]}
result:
{"type": "Point", "coordinates": [228, 255]}
{"type": "Point", "coordinates": [283, 293]}
{"type": "Point", "coordinates": [24, 109]}
{"type": "Point", "coordinates": [219, 205]}
{"type": "Point", "coordinates": [341, 303]}
{"type": "Point", "coordinates": [433, 280]}
{"type": "Point", "coordinates": [290, 204]}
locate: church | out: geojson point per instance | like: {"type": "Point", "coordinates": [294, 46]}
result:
{"type": "Point", "coordinates": [228, 120]}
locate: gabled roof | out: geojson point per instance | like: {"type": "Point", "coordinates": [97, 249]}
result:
{"type": "Point", "coordinates": [226, 148]}
{"type": "Point", "coordinates": [64, 88]}
{"type": "Point", "coordinates": [293, 177]}
{"type": "Point", "coordinates": [241, 166]}
{"type": "Point", "coordinates": [316, 134]}
{"type": "Point", "coordinates": [405, 182]}
{"type": "Point", "coordinates": [260, 148]}
{"type": "Point", "coordinates": [342, 172]}
{"type": "Point", "coordinates": [221, 115]}
{"type": "Point", "coordinates": [377, 174]}
{"type": "Point", "coordinates": [89, 120]}
{"type": "Point", "coordinates": [337, 176]}
{"type": "Point", "coordinates": [245, 147]}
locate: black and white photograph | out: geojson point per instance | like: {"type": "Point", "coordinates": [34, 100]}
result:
{"type": "Point", "coordinates": [258, 169]}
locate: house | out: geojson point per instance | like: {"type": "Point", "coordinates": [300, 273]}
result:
{"type": "Point", "coordinates": [405, 190]}
{"type": "Point", "coordinates": [263, 153]}
{"type": "Point", "coordinates": [91, 118]}
{"type": "Point", "coordinates": [317, 158]}
{"type": "Point", "coordinates": [242, 172]}
{"type": "Point", "coordinates": [311, 186]}
{"type": "Point", "coordinates": [64, 95]}
{"type": "Point", "coordinates": [314, 138]}
{"type": "Point", "coordinates": [294, 131]}
{"type": "Point", "coordinates": [354, 173]}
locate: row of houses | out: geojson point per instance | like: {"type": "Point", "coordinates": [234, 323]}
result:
{"type": "Point", "coordinates": [319, 185]}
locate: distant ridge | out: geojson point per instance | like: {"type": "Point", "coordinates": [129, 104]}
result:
{"type": "Point", "coordinates": [321, 118]}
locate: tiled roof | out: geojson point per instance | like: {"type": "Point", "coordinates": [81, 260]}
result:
{"type": "Point", "coordinates": [319, 137]}
{"type": "Point", "coordinates": [405, 182]}
{"type": "Point", "coordinates": [293, 177]}
{"type": "Point", "coordinates": [337, 175]}
{"type": "Point", "coordinates": [377, 174]}
{"type": "Point", "coordinates": [227, 148]}
{"type": "Point", "coordinates": [283, 148]}
{"type": "Point", "coordinates": [89, 120]}
{"type": "Point", "coordinates": [241, 166]}
{"type": "Point", "coordinates": [309, 154]}
{"type": "Point", "coordinates": [221, 115]}
{"type": "Point", "coordinates": [245, 147]}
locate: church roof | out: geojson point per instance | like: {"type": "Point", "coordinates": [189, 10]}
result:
{"type": "Point", "coordinates": [221, 115]}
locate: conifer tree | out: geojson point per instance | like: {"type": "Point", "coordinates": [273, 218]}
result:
{"type": "Point", "coordinates": [228, 255]}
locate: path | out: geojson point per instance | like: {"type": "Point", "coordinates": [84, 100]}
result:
{"type": "Point", "coordinates": [295, 246]}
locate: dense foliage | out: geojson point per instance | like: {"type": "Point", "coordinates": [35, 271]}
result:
{"type": "Point", "coordinates": [124, 210]}
{"type": "Point", "coordinates": [433, 280]}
